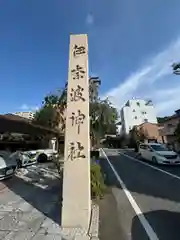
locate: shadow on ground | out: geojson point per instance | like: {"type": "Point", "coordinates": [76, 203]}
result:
{"type": "Point", "coordinates": [164, 223]}
{"type": "Point", "coordinates": [110, 179]}
{"type": "Point", "coordinates": [44, 194]}
{"type": "Point", "coordinates": [109, 226]}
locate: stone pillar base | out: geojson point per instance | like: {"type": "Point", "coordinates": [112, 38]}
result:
{"type": "Point", "coordinates": [82, 234]}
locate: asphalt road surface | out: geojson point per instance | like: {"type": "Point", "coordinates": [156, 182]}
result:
{"type": "Point", "coordinates": [147, 196]}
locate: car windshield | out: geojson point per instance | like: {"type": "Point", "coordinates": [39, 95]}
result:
{"type": "Point", "coordinates": [158, 148]}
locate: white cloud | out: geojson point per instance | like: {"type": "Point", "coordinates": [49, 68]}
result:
{"type": "Point", "coordinates": [89, 19]}
{"type": "Point", "coordinates": [26, 107]}
{"type": "Point", "coordinates": [145, 82]}
{"type": "Point", "coordinates": [167, 100]}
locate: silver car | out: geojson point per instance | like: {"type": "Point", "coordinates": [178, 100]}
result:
{"type": "Point", "coordinates": [26, 158]}
{"type": "Point", "coordinates": [8, 165]}
{"type": "Point", "coordinates": [158, 153]}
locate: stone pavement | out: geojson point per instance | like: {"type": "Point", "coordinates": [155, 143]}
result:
{"type": "Point", "coordinates": [29, 205]}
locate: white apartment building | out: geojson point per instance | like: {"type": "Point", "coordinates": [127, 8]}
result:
{"type": "Point", "coordinates": [28, 115]}
{"type": "Point", "coordinates": [136, 112]}
{"type": "Point", "coordinates": [118, 128]}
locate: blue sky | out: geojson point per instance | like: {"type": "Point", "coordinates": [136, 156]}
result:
{"type": "Point", "coordinates": [132, 45]}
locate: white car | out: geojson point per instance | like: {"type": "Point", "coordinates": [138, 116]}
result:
{"type": "Point", "coordinates": [26, 158]}
{"type": "Point", "coordinates": [158, 153]}
{"type": "Point", "coordinates": [8, 165]}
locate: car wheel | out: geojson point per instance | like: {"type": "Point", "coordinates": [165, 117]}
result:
{"type": "Point", "coordinates": [154, 160]}
{"type": "Point", "coordinates": [42, 158]}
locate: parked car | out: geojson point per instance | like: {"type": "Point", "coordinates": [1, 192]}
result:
{"type": "Point", "coordinates": [8, 165]}
{"type": "Point", "coordinates": [26, 158]}
{"type": "Point", "coordinates": [158, 153]}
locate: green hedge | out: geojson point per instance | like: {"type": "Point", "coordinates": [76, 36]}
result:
{"type": "Point", "coordinates": [97, 182]}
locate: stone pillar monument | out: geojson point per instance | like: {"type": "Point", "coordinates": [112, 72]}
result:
{"type": "Point", "coordinates": [76, 207]}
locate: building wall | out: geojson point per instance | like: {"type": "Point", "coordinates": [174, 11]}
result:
{"type": "Point", "coordinates": [170, 126]}
{"type": "Point", "coordinates": [168, 131]}
{"type": "Point", "coordinates": [118, 129]}
{"type": "Point", "coordinates": [152, 131]}
{"type": "Point", "coordinates": [136, 112]}
{"type": "Point", "coordinates": [28, 115]}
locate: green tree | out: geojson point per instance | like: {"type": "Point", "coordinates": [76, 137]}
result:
{"type": "Point", "coordinates": [161, 119]}
{"type": "Point", "coordinates": [137, 136]}
{"type": "Point", "coordinates": [102, 114]}
{"type": "Point", "coordinates": [103, 117]}
{"type": "Point", "coordinates": [51, 113]}
{"type": "Point", "coordinates": [47, 116]}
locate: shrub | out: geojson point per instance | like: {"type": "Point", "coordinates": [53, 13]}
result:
{"type": "Point", "coordinates": [97, 182]}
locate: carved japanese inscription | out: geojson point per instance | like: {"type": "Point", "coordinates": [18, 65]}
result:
{"type": "Point", "coordinates": [77, 139]}
{"type": "Point", "coordinates": [78, 72]}
{"type": "Point", "coordinates": [75, 151]}
{"type": "Point", "coordinates": [77, 120]}
{"type": "Point", "coordinates": [76, 94]}
{"type": "Point", "coordinates": [78, 50]}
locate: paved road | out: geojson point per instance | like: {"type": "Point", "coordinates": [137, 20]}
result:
{"type": "Point", "coordinates": [148, 198]}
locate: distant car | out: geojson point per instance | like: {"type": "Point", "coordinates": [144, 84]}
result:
{"type": "Point", "coordinates": [158, 153]}
{"type": "Point", "coordinates": [8, 165]}
{"type": "Point", "coordinates": [26, 158]}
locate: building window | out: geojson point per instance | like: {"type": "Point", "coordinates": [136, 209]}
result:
{"type": "Point", "coordinates": [143, 113]}
{"type": "Point", "coordinates": [145, 120]}
{"type": "Point", "coordinates": [135, 117]}
{"type": "Point", "coordinates": [134, 110]}
{"type": "Point", "coordinates": [138, 104]}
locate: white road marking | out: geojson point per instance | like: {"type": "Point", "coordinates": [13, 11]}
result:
{"type": "Point", "coordinates": [156, 168]}
{"type": "Point", "coordinates": [150, 232]}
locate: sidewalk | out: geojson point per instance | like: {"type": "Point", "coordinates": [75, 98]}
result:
{"type": "Point", "coordinates": [110, 225]}
{"type": "Point", "coordinates": [110, 228]}
{"type": "Point", "coordinates": [29, 206]}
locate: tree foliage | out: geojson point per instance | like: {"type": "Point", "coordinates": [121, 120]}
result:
{"type": "Point", "coordinates": [161, 119]}
{"type": "Point", "coordinates": [51, 114]}
{"type": "Point", "coordinates": [102, 114]}
{"type": "Point", "coordinates": [137, 136]}
{"type": "Point", "coordinates": [103, 117]}
{"type": "Point", "coordinates": [47, 116]}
